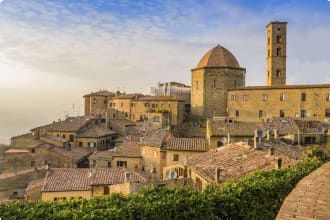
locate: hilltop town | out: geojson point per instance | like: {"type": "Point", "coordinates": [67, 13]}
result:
{"type": "Point", "coordinates": [195, 135]}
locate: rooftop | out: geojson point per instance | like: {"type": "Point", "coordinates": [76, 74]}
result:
{"type": "Point", "coordinates": [187, 144]}
{"type": "Point", "coordinates": [310, 198]}
{"type": "Point", "coordinates": [72, 124]}
{"type": "Point", "coordinates": [81, 179]}
{"type": "Point", "coordinates": [74, 153]}
{"type": "Point", "coordinates": [101, 93]}
{"type": "Point", "coordinates": [297, 86]}
{"type": "Point", "coordinates": [236, 160]}
{"type": "Point", "coordinates": [218, 57]}
{"type": "Point", "coordinates": [95, 131]}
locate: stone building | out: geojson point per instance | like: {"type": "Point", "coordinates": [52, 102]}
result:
{"type": "Point", "coordinates": [70, 183]}
{"type": "Point", "coordinates": [86, 132]}
{"type": "Point", "coordinates": [218, 86]}
{"type": "Point", "coordinates": [137, 108]}
{"type": "Point", "coordinates": [174, 89]}
{"type": "Point", "coordinates": [230, 162]}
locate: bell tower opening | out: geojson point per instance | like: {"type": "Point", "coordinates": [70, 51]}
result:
{"type": "Point", "coordinates": [276, 53]}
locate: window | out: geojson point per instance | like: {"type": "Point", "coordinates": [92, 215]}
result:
{"type": "Point", "coordinates": [94, 101]}
{"type": "Point", "coordinates": [156, 119]}
{"type": "Point", "coordinates": [264, 97]}
{"type": "Point", "coordinates": [245, 97]}
{"type": "Point", "coordinates": [105, 102]}
{"type": "Point", "coordinates": [278, 39]}
{"type": "Point", "coordinates": [94, 163]}
{"type": "Point", "coordinates": [110, 104]}
{"type": "Point", "coordinates": [278, 29]}
{"type": "Point", "coordinates": [327, 97]}
{"type": "Point", "coordinates": [303, 96]}
{"type": "Point", "coordinates": [122, 164]}
{"type": "Point", "coordinates": [109, 164]}
{"type": "Point", "coordinates": [113, 116]}
{"type": "Point", "coordinates": [169, 105]}
{"type": "Point", "coordinates": [303, 113]}
{"type": "Point", "coordinates": [282, 97]}
{"type": "Point", "coordinates": [237, 113]}
{"type": "Point", "coordinates": [154, 106]}
{"type": "Point", "coordinates": [261, 114]}
{"type": "Point", "coordinates": [106, 190]}
{"type": "Point", "coordinates": [278, 73]}
{"type": "Point", "coordinates": [146, 104]}
{"type": "Point", "coordinates": [32, 163]}
{"type": "Point", "coordinates": [278, 51]}
{"type": "Point", "coordinates": [114, 104]}
{"type": "Point", "coordinates": [327, 113]}
{"type": "Point", "coordinates": [198, 184]}
{"type": "Point", "coordinates": [282, 114]}
{"type": "Point", "coordinates": [63, 136]}
{"type": "Point", "coordinates": [196, 83]}
{"type": "Point", "coordinates": [268, 40]}
{"type": "Point", "coordinates": [33, 150]}
{"type": "Point", "coordinates": [71, 137]}
{"type": "Point", "coordinates": [175, 157]}
{"type": "Point", "coordinates": [132, 105]}
{"type": "Point", "coordinates": [214, 85]}
{"type": "Point", "coordinates": [233, 98]}
{"type": "Point", "coordinates": [121, 104]}
{"type": "Point", "coordinates": [91, 144]}
{"type": "Point", "coordinates": [80, 144]}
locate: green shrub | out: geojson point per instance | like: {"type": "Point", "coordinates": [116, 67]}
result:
{"type": "Point", "coordinates": [256, 196]}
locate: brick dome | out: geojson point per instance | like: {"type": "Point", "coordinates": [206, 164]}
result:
{"type": "Point", "coordinates": [218, 57]}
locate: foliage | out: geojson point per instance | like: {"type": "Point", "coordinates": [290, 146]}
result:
{"type": "Point", "coordinates": [256, 196]}
{"type": "Point", "coordinates": [314, 154]}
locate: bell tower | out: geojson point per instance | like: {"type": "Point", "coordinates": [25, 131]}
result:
{"type": "Point", "coordinates": [276, 53]}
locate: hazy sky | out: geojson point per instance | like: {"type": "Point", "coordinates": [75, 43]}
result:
{"type": "Point", "coordinates": [53, 52]}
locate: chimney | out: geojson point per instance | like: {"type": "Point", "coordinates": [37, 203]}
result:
{"type": "Point", "coordinates": [278, 163]}
{"type": "Point", "coordinates": [217, 175]}
{"type": "Point", "coordinates": [275, 134]}
{"type": "Point", "coordinates": [271, 151]}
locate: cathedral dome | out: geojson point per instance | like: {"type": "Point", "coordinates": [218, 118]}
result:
{"type": "Point", "coordinates": [218, 57]}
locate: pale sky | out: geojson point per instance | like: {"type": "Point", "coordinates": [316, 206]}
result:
{"type": "Point", "coordinates": [53, 52]}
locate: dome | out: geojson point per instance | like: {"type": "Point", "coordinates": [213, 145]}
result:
{"type": "Point", "coordinates": [218, 57]}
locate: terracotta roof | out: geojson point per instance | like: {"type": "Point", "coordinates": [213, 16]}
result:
{"type": "Point", "coordinates": [187, 144]}
{"type": "Point", "coordinates": [95, 131]}
{"type": "Point", "coordinates": [235, 160]}
{"type": "Point", "coordinates": [70, 124]}
{"type": "Point", "coordinates": [155, 137]}
{"type": "Point", "coordinates": [128, 150]}
{"type": "Point", "coordinates": [218, 57]}
{"type": "Point", "coordinates": [310, 199]}
{"type": "Point", "coordinates": [74, 153]}
{"type": "Point", "coordinates": [81, 179]}
{"type": "Point", "coordinates": [302, 86]}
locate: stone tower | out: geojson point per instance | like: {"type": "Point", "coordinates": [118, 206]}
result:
{"type": "Point", "coordinates": [216, 72]}
{"type": "Point", "coordinates": [276, 53]}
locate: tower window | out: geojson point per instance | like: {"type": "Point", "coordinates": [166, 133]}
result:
{"type": "Point", "coordinates": [282, 114]}
{"type": "Point", "coordinates": [303, 96]}
{"type": "Point", "coordinates": [233, 98]}
{"type": "Point", "coordinates": [245, 97]}
{"type": "Point", "coordinates": [264, 97]}
{"type": "Point", "coordinates": [279, 29]}
{"type": "Point", "coordinates": [278, 39]}
{"type": "Point", "coordinates": [268, 40]}
{"type": "Point", "coordinates": [327, 113]}
{"type": "Point", "coordinates": [327, 97]}
{"type": "Point", "coordinates": [278, 51]}
{"type": "Point", "coordinates": [214, 84]}
{"type": "Point", "coordinates": [303, 113]}
{"type": "Point", "coordinates": [278, 73]}
{"type": "Point", "coordinates": [282, 97]}
{"type": "Point", "coordinates": [261, 114]}
{"type": "Point", "coordinates": [237, 113]}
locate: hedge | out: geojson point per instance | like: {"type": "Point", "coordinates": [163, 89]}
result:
{"type": "Point", "coordinates": [256, 196]}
